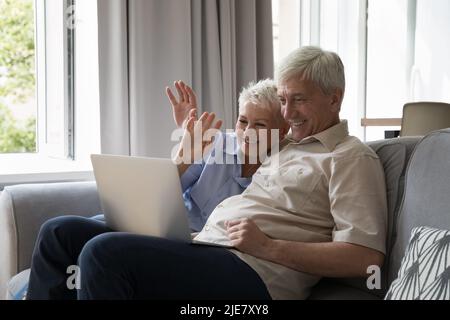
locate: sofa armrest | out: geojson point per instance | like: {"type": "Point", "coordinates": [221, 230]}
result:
{"type": "Point", "coordinates": [24, 208]}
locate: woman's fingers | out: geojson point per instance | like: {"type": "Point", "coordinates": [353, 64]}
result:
{"type": "Point", "coordinates": [208, 121]}
{"type": "Point", "coordinates": [193, 113]}
{"type": "Point", "coordinates": [210, 133]}
{"type": "Point", "coordinates": [204, 124]}
{"type": "Point", "coordinates": [185, 92]}
{"type": "Point", "coordinates": [179, 90]}
{"type": "Point", "coordinates": [172, 99]}
{"type": "Point", "coordinates": [202, 118]}
{"type": "Point", "coordinates": [218, 125]}
{"type": "Point", "coordinates": [190, 124]}
{"type": "Point", "coordinates": [191, 96]}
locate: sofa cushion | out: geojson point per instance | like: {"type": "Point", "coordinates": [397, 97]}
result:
{"type": "Point", "coordinates": [328, 289]}
{"type": "Point", "coordinates": [394, 156]}
{"type": "Point", "coordinates": [426, 200]}
{"type": "Point", "coordinates": [425, 270]}
{"type": "Point", "coordinates": [24, 208]}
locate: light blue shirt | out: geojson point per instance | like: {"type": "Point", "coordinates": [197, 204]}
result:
{"type": "Point", "coordinates": [207, 184]}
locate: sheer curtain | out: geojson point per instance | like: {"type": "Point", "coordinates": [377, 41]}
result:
{"type": "Point", "coordinates": [218, 46]}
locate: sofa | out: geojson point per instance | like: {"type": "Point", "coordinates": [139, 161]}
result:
{"type": "Point", "coordinates": [417, 171]}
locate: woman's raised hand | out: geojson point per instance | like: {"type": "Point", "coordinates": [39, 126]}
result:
{"type": "Point", "coordinates": [198, 136]}
{"type": "Point", "coordinates": [184, 105]}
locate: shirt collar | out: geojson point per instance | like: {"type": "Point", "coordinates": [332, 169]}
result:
{"type": "Point", "coordinates": [329, 138]}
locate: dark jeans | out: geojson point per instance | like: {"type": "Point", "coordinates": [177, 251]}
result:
{"type": "Point", "coordinates": [117, 265]}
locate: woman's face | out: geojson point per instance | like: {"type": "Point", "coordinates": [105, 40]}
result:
{"type": "Point", "coordinates": [254, 129]}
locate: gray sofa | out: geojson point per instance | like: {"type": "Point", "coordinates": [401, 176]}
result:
{"type": "Point", "coordinates": [418, 188]}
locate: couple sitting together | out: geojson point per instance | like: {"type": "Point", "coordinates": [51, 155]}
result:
{"type": "Point", "coordinates": [320, 212]}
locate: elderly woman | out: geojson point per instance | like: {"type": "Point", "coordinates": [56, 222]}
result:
{"type": "Point", "coordinates": [235, 157]}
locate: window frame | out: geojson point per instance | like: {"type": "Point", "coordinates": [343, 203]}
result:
{"type": "Point", "coordinates": [64, 148]}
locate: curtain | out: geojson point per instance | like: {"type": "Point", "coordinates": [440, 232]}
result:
{"type": "Point", "coordinates": [217, 46]}
{"type": "Point", "coordinates": [113, 76]}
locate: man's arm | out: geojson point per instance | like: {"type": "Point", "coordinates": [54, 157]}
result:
{"type": "Point", "coordinates": [328, 259]}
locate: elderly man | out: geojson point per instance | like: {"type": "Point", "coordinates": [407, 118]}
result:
{"type": "Point", "coordinates": [317, 208]}
{"type": "Point", "coordinates": [323, 212]}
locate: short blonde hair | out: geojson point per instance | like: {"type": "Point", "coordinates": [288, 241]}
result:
{"type": "Point", "coordinates": [262, 94]}
{"type": "Point", "coordinates": [324, 68]}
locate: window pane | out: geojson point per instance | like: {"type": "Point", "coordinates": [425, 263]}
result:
{"type": "Point", "coordinates": [387, 70]}
{"type": "Point", "coordinates": [87, 121]}
{"type": "Point", "coordinates": [17, 77]}
{"type": "Point", "coordinates": [431, 75]}
{"type": "Point", "coordinates": [286, 27]}
{"type": "Point", "coordinates": [56, 72]}
{"type": "Point", "coordinates": [329, 27]}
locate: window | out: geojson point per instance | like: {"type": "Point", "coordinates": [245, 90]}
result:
{"type": "Point", "coordinates": [64, 99]}
{"type": "Point", "coordinates": [69, 104]}
{"type": "Point", "coordinates": [18, 106]}
{"type": "Point", "coordinates": [286, 27]}
{"type": "Point", "coordinates": [430, 74]}
{"type": "Point", "coordinates": [333, 25]}
{"type": "Point", "coordinates": [408, 49]}
{"type": "Point", "coordinates": [389, 61]}
{"type": "Point", "coordinates": [56, 61]}
{"type": "Point", "coordinates": [394, 51]}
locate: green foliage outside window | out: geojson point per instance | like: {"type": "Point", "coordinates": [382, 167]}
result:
{"type": "Point", "coordinates": [17, 74]}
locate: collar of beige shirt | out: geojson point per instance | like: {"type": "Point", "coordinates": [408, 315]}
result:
{"type": "Point", "coordinates": [329, 138]}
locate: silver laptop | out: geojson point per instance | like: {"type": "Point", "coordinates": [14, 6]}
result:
{"type": "Point", "coordinates": [142, 196]}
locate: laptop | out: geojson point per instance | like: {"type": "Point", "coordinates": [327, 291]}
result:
{"type": "Point", "coordinates": [143, 196]}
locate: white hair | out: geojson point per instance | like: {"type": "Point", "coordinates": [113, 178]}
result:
{"type": "Point", "coordinates": [324, 68]}
{"type": "Point", "coordinates": [264, 95]}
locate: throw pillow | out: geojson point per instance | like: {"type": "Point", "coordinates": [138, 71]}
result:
{"type": "Point", "coordinates": [425, 270]}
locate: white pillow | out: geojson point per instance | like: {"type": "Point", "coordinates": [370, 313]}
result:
{"type": "Point", "coordinates": [425, 270]}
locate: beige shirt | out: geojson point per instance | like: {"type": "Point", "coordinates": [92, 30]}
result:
{"type": "Point", "coordinates": [328, 187]}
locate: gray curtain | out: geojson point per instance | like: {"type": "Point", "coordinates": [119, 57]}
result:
{"type": "Point", "coordinates": [113, 76]}
{"type": "Point", "coordinates": [218, 46]}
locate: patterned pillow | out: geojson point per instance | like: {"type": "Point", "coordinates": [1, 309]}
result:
{"type": "Point", "coordinates": [425, 270]}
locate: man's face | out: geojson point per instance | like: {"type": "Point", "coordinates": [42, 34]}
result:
{"type": "Point", "coordinates": [306, 108]}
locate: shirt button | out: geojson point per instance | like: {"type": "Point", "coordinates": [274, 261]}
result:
{"type": "Point", "coordinates": [207, 228]}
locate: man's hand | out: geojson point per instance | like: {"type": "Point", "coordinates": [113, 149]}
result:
{"type": "Point", "coordinates": [247, 237]}
{"type": "Point", "coordinates": [325, 259]}
{"type": "Point", "coordinates": [185, 106]}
